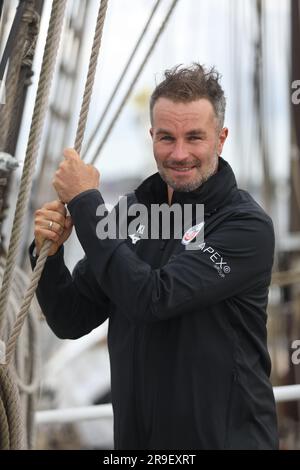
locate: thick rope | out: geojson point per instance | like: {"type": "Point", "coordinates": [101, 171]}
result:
{"type": "Point", "coordinates": [28, 382]}
{"type": "Point", "coordinates": [39, 113]}
{"type": "Point", "coordinates": [11, 421]}
{"type": "Point", "coordinates": [34, 279]}
{"type": "Point", "coordinates": [122, 76]}
{"type": "Point", "coordinates": [36, 274]}
{"type": "Point", "coordinates": [90, 76]}
{"type": "Point", "coordinates": [25, 370]}
{"type": "Point", "coordinates": [4, 429]}
{"type": "Point", "coordinates": [133, 82]}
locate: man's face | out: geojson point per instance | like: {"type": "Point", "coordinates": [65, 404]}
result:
{"type": "Point", "coordinates": [186, 142]}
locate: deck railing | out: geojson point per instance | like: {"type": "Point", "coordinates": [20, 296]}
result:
{"type": "Point", "coordinates": [95, 412]}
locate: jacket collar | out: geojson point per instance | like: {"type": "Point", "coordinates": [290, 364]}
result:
{"type": "Point", "coordinates": [214, 193]}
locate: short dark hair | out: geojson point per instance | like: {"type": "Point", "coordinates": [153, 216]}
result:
{"type": "Point", "coordinates": [186, 84]}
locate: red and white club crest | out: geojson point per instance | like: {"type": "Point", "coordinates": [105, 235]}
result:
{"type": "Point", "coordinates": [191, 233]}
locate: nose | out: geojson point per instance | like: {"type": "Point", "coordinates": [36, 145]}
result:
{"type": "Point", "coordinates": [179, 151]}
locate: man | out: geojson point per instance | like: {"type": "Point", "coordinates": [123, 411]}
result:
{"type": "Point", "coordinates": [187, 328]}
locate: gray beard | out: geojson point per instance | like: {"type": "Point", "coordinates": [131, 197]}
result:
{"type": "Point", "coordinates": [192, 185]}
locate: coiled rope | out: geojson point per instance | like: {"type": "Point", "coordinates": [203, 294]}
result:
{"type": "Point", "coordinates": [25, 369]}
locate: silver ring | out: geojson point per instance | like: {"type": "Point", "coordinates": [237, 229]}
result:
{"type": "Point", "coordinates": [50, 225]}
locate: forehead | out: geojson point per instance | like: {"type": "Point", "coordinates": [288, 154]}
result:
{"type": "Point", "coordinates": [168, 112]}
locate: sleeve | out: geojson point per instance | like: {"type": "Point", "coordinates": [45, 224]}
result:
{"type": "Point", "coordinates": [236, 258]}
{"type": "Point", "coordinates": [73, 305]}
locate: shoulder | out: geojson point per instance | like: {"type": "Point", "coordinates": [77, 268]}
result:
{"type": "Point", "coordinates": [252, 217]}
{"type": "Point", "coordinates": [246, 203]}
{"type": "Point", "coordinates": [247, 228]}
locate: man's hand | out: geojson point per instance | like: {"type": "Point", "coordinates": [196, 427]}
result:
{"type": "Point", "coordinates": [51, 223]}
{"type": "Point", "coordinates": [74, 176]}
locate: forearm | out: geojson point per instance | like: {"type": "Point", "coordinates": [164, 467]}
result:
{"type": "Point", "coordinates": [69, 311]}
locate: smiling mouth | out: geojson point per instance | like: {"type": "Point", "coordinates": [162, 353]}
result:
{"type": "Point", "coordinates": [182, 169]}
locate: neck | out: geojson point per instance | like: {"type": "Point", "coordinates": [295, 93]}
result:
{"type": "Point", "coordinates": [170, 194]}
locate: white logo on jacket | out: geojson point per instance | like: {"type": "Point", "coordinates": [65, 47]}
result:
{"type": "Point", "coordinates": [192, 233]}
{"type": "Point", "coordinates": [136, 237]}
{"type": "Point", "coordinates": [219, 263]}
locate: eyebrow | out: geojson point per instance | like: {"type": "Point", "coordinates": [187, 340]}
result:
{"type": "Point", "coordinates": [190, 133]}
{"type": "Point", "coordinates": [163, 131]}
{"type": "Point", "coordinates": [197, 132]}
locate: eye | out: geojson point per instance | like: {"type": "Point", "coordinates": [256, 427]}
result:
{"type": "Point", "coordinates": [167, 138]}
{"type": "Point", "coordinates": [195, 137]}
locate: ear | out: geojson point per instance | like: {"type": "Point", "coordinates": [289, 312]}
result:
{"type": "Point", "coordinates": [222, 137]}
{"type": "Point", "coordinates": [151, 132]}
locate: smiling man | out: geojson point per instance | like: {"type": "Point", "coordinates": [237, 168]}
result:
{"type": "Point", "coordinates": [187, 328]}
{"type": "Point", "coordinates": [186, 142]}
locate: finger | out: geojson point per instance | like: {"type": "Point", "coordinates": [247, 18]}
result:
{"type": "Point", "coordinates": [49, 225]}
{"type": "Point", "coordinates": [45, 216]}
{"type": "Point", "coordinates": [53, 226]}
{"type": "Point", "coordinates": [59, 213]}
{"type": "Point", "coordinates": [55, 217]}
{"type": "Point", "coordinates": [71, 154]}
{"type": "Point", "coordinates": [46, 234]}
{"type": "Point", "coordinates": [56, 206]}
{"type": "Point", "coordinates": [56, 187]}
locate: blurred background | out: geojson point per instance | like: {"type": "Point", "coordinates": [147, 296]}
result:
{"type": "Point", "coordinates": [255, 45]}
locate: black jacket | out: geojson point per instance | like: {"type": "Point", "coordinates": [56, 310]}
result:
{"type": "Point", "coordinates": [187, 334]}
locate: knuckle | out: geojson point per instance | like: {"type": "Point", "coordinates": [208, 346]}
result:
{"type": "Point", "coordinates": [37, 213]}
{"type": "Point", "coordinates": [59, 216]}
{"type": "Point", "coordinates": [40, 219]}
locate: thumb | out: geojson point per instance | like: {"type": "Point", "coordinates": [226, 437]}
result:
{"type": "Point", "coordinates": [71, 154]}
